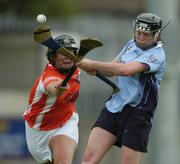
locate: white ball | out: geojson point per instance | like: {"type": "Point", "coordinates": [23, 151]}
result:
{"type": "Point", "coordinates": [41, 18]}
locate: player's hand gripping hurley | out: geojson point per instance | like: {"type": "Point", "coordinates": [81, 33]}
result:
{"type": "Point", "coordinates": [86, 45]}
{"type": "Point", "coordinates": [43, 35]}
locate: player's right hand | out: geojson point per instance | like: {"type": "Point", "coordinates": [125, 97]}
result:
{"type": "Point", "coordinates": [85, 64]}
{"type": "Point", "coordinates": [91, 72]}
{"type": "Point", "coordinates": [60, 89]}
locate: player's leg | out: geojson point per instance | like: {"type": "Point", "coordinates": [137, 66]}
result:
{"type": "Point", "coordinates": [63, 148]}
{"type": "Point", "coordinates": [100, 141]}
{"type": "Point", "coordinates": [135, 137]}
{"type": "Point", "coordinates": [129, 156]}
{"type": "Point", "coordinates": [103, 136]}
{"type": "Point", "coordinates": [63, 142]}
{"type": "Point", "coordinates": [36, 142]}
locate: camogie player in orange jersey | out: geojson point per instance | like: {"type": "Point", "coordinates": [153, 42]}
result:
{"type": "Point", "coordinates": [51, 119]}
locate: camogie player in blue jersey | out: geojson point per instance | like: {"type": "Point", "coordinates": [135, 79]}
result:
{"type": "Point", "coordinates": [126, 118]}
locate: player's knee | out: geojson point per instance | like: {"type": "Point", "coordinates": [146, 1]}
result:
{"type": "Point", "coordinates": [89, 162]}
{"type": "Point", "coordinates": [90, 158]}
{"type": "Point", "coordinates": [62, 161]}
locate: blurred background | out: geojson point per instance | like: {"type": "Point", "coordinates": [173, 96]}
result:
{"type": "Point", "coordinates": [111, 21]}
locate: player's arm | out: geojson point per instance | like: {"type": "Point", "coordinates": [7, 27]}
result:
{"type": "Point", "coordinates": [114, 68]}
{"type": "Point", "coordinates": [55, 88]}
{"type": "Point", "coordinates": [105, 73]}
{"type": "Point", "coordinates": [92, 71]}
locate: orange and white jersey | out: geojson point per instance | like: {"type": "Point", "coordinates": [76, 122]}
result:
{"type": "Point", "coordinates": [47, 112]}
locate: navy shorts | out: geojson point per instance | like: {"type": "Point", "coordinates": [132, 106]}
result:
{"type": "Point", "coordinates": [131, 126]}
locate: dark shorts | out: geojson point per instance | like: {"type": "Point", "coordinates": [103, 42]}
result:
{"type": "Point", "coordinates": [131, 126]}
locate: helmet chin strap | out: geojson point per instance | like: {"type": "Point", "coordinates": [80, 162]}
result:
{"type": "Point", "coordinates": [157, 35]}
{"type": "Point", "coordinates": [145, 47]}
{"type": "Point", "coordinates": [62, 70]}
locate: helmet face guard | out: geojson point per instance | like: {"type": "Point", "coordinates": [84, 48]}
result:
{"type": "Point", "coordinates": [65, 41]}
{"type": "Point", "coordinates": [144, 27]}
{"type": "Point", "coordinates": [148, 22]}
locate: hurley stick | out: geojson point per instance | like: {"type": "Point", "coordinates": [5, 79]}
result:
{"type": "Point", "coordinates": [42, 35]}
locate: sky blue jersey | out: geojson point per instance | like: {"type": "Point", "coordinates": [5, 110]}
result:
{"type": "Point", "coordinates": [137, 90]}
